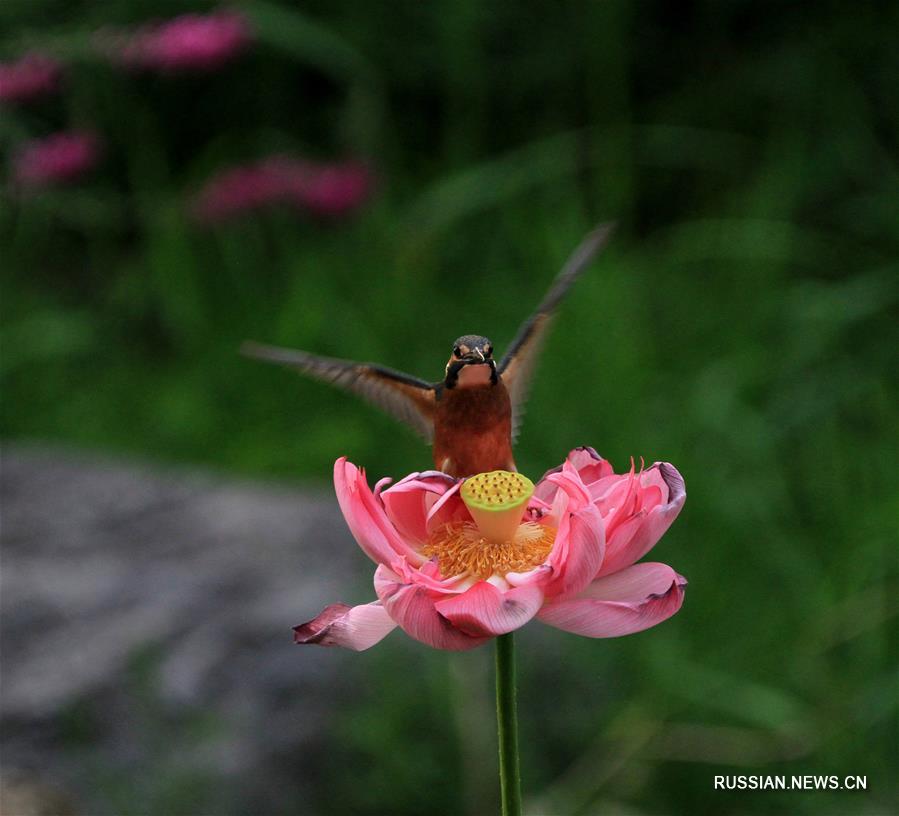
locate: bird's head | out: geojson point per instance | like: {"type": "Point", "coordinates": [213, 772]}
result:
{"type": "Point", "coordinates": [471, 362]}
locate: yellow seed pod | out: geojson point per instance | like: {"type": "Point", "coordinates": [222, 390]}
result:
{"type": "Point", "coordinates": [496, 501]}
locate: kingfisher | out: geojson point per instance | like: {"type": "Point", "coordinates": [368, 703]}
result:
{"type": "Point", "coordinates": [472, 416]}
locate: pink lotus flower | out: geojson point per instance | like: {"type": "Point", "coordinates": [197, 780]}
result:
{"type": "Point", "coordinates": [32, 76]}
{"type": "Point", "coordinates": [326, 190]}
{"type": "Point", "coordinates": [57, 159]}
{"type": "Point", "coordinates": [462, 561]}
{"type": "Point", "coordinates": [190, 42]}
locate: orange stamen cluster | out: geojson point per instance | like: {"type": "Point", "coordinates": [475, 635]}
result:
{"type": "Point", "coordinates": [496, 541]}
{"type": "Point", "coordinates": [461, 549]}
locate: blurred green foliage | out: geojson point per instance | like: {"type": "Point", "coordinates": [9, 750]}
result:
{"type": "Point", "coordinates": [742, 325]}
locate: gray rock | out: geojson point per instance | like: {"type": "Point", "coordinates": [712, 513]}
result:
{"type": "Point", "coordinates": [138, 600]}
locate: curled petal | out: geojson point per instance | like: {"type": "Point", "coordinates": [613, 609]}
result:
{"type": "Point", "coordinates": [589, 464]}
{"type": "Point", "coordinates": [365, 517]}
{"type": "Point", "coordinates": [577, 553]}
{"type": "Point", "coordinates": [485, 611]}
{"type": "Point", "coordinates": [447, 509]}
{"type": "Point", "coordinates": [353, 627]}
{"type": "Point", "coordinates": [382, 484]}
{"type": "Point", "coordinates": [539, 575]}
{"type": "Point", "coordinates": [636, 537]}
{"type": "Point", "coordinates": [569, 482]}
{"type": "Point", "coordinates": [411, 605]}
{"type": "Point", "coordinates": [590, 467]}
{"type": "Point", "coordinates": [634, 599]}
{"type": "Point", "coordinates": [410, 500]}
{"type": "Point", "coordinates": [427, 575]}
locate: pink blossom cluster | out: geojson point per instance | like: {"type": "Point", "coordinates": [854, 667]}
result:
{"type": "Point", "coordinates": [189, 42]}
{"type": "Point", "coordinates": [30, 77]}
{"type": "Point", "coordinates": [57, 159]}
{"type": "Point", "coordinates": [325, 190]}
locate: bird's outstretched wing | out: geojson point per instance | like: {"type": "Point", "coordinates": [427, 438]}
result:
{"type": "Point", "coordinates": [404, 397]}
{"type": "Point", "coordinates": [518, 364]}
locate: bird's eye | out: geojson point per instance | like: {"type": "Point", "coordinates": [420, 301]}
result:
{"type": "Point", "coordinates": [488, 350]}
{"type": "Point", "coordinates": [457, 352]}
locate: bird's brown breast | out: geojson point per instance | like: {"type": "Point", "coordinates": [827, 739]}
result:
{"type": "Point", "coordinates": [473, 430]}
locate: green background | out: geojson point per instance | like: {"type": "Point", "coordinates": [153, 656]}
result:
{"type": "Point", "coordinates": [742, 325]}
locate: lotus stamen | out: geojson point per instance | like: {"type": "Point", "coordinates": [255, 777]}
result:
{"type": "Point", "coordinates": [496, 542]}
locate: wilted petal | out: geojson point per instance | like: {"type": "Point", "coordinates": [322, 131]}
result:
{"type": "Point", "coordinates": [366, 518]}
{"type": "Point", "coordinates": [353, 627]}
{"type": "Point", "coordinates": [411, 605]}
{"type": "Point", "coordinates": [631, 542]}
{"type": "Point", "coordinates": [633, 599]}
{"type": "Point", "coordinates": [485, 611]}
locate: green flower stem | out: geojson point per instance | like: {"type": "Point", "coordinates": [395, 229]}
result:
{"type": "Point", "coordinates": [507, 723]}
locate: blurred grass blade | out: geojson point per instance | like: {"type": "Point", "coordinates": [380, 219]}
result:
{"type": "Point", "coordinates": [491, 183]}
{"type": "Point", "coordinates": [298, 36]}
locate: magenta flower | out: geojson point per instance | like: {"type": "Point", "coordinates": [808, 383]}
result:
{"type": "Point", "coordinates": [463, 561]}
{"type": "Point", "coordinates": [243, 189]}
{"type": "Point", "coordinates": [328, 190]}
{"type": "Point", "coordinates": [190, 42]}
{"type": "Point", "coordinates": [332, 190]}
{"type": "Point", "coordinates": [32, 76]}
{"type": "Point", "coordinates": [61, 158]}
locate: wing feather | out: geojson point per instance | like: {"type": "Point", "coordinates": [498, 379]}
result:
{"type": "Point", "coordinates": [404, 397]}
{"type": "Point", "coordinates": [517, 366]}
